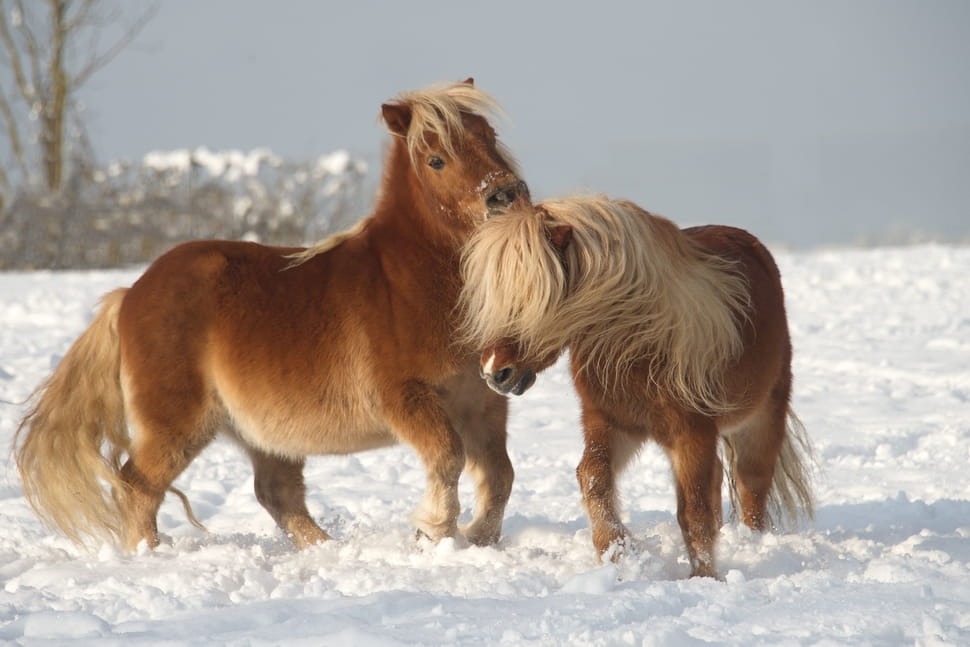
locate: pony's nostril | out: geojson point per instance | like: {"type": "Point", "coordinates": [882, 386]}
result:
{"type": "Point", "coordinates": [498, 200]}
{"type": "Point", "coordinates": [503, 197]}
{"type": "Point", "coordinates": [502, 376]}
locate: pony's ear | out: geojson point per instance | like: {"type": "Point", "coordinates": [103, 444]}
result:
{"type": "Point", "coordinates": [560, 236]}
{"type": "Point", "coordinates": [397, 116]}
{"type": "Point", "coordinates": [469, 81]}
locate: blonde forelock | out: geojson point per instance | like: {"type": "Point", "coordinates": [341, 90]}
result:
{"type": "Point", "coordinates": [437, 111]}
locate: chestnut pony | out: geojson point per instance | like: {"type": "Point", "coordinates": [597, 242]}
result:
{"type": "Point", "coordinates": [338, 348]}
{"type": "Point", "coordinates": [679, 336]}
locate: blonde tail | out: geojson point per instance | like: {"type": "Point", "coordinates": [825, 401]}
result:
{"type": "Point", "coordinates": [791, 486]}
{"type": "Point", "coordinates": [70, 445]}
{"type": "Point", "coordinates": [790, 497]}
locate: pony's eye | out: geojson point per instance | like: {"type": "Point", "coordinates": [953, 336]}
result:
{"type": "Point", "coordinates": [436, 163]}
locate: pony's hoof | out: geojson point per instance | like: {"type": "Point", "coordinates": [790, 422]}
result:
{"type": "Point", "coordinates": [481, 536]}
{"type": "Point", "coordinates": [611, 541]}
{"type": "Point", "coordinates": [616, 550]}
{"type": "Point", "coordinates": [304, 532]}
{"type": "Point", "coordinates": [434, 531]}
{"type": "Point", "coordinates": [705, 570]}
{"type": "Point", "coordinates": [421, 535]}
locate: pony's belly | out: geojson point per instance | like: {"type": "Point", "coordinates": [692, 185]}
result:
{"type": "Point", "coordinates": [294, 422]}
{"type": "Point", "coordinates": [320, 409]}
{"type": "Point", "coordinates": [301, 435]}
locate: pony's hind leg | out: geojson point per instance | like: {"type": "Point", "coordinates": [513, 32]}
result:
{"type": "Point", "coordinates": [164, 446]}
{"type": "Point", "coordinates": [753, 453]}
{"type": "Point", "coordinates": [692, 448]}
{"type": "Point", "coordinates": [479, 416]}
{"type": "Point", "coordinates": [280, 489]}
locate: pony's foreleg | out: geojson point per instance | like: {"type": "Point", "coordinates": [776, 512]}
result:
{"type": "Point", "coordinates": [604, 452]}
{"type": "Point", "coordinates": [479, 416]}
{"type": "Point", "coordinates": [418, 418]}
{"type": "Point", "coordinates": [487, 460]}
{"type": "Point", "coordinates": [281, 490]}
{"type": "Point", "coordinates": [698, 474]}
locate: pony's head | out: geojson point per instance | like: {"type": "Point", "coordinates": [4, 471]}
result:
{"type": "Point", "coordinates": [461, 169]}
{"type": "Point", "coordinates": [516, 278]}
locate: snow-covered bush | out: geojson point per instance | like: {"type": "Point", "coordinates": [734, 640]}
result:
{"type": "Point", "coordinates": [128, 213]}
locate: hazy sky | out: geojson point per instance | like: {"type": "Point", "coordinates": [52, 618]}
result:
{"type": "Point", "coordinates": [806, 122]}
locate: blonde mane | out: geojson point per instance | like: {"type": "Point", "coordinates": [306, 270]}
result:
{"type": "Point", "coordinates": [301, 257]}
{"type": "Point", "coordinates": [437, 111]}
{"type": "Point", "coordinates": [630, 292]}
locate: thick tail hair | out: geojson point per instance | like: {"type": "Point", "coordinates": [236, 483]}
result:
{"type": "Point", "coordinates": [70, 444]}
{"type": "Point", "coordinates": [790, 498]}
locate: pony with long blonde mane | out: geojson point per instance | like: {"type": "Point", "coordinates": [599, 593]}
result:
{"type": "Point", "coordinates": [644, 268]}
{"type": "Point", "coordinates": [679, 336]}
{"type": "Point", "coordinates": [338, 348]}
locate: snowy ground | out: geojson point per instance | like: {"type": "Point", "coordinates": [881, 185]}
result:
{"type": "Point", "coordinates": [882, 365]}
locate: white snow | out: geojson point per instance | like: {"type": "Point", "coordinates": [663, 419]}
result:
{"type": "Point", "coordinates": [882, 366]}
{"type": "Point", "coordinates": [232, 165]}
{"type": "Point", "coordinates": [335, 163]}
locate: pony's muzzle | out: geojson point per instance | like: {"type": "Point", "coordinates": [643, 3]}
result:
{"type": "Point", "coordinates": [507, 380]}
{"type": "Point", "coordinates": [504, 196]}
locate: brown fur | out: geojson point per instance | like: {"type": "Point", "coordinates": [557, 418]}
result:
{"type": "Point", "coordinates": [342, 349]}
{"type": "Point", "coordinates": [742, 389]}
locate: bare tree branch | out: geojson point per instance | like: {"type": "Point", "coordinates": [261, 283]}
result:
{"type": "Point", "coordinates": [81, 17]}
{"type": "Point", "coordinates": [16, 63]}
{"type": "Point", "coordinates": [34, 56]}
{"type": "Point", "coordinates": [13, 133]}
{"type": "Point", "coordinates": [52, 48]}
{"type": "Point", "coordinates": [130, 33]}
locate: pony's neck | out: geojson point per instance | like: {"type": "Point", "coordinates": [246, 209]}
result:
{"type": "Point", "coordinates": [405, 211]}
{"type": "Point", "coordinates": [419, 265]}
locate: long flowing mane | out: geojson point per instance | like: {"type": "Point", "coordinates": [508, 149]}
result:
{"type": "Point", "coordinates": [630, 290]}
{"type": "Point", "coordinates": [437, 111]}
{"type": "Point", "coordinates": [434, 111]}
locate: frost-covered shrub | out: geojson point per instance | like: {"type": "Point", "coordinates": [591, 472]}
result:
{"type": "Point", "coordinates": [127, 213]}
